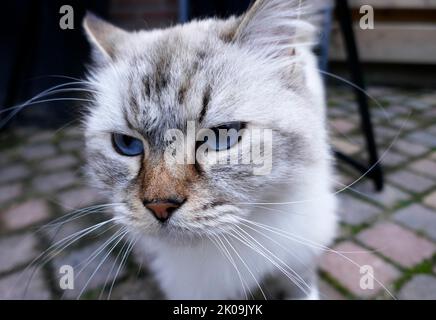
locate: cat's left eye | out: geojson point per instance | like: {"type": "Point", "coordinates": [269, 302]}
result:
{"type": "Point", "coordinates": [226, 136]}
{"type": "Point", "coordinates": [127, 145]}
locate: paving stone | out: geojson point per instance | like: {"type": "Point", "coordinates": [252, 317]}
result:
{"type": "Point", "coordinates": [42, 136]}
{"type": "Point", "coordinates": [73, 132]}
{"type": "Point", "coordinates": [13, 172]}
{"type": "Point", "coordinates": [430, 114]}
{"type": "Point", "coordinates": [409, 148]}
{"type": "Point", "coordinates": [419, 104]}
{"type": "Point", "coordinates": [430, 98]}
{"type": "Point", "coordinates": [25, 214]}
{"type": "Point", "coordinates": [423, 138]}
{"type": "Point", "coordinates": [345, 146]}
{"type": "Point", "coordinates": [397, 243]}
{"type": "Point", "coordinates": [379, 113]}
{"type": "Point", "coordinates": [432, 129]}
{"type": "Point", "coordinates": [60, 162]}
{"type": "Point", "coordinates": [388, 197]}
{"type": "Point", "coordinates": [9, 192]}
{"type": "Point", "coordinates": [421, 287]}
{"type": "Point", "coordinates": [25, 132]}
{"type": "Point", "coordinates": [348, 273]}
{"type": "Point", "coordinates": [343, 126]}
{"type": "Point", "coordinates": [82, 273]}
{"type": "Point", "coordinates": [397, 110]}
{"type": "Point", "coordinates": [6, 157]}
{"type": "Point", "coordinates": [37, 152]}
{"type": "Point", "coordinates": [385, 92]}
{"type": "Point", "coordinates": [418, 218]}
{"type": "Point", "coordinates": [79, 198]}
{"type": "Point", "coordinates": [354, 211]}
{"type": "Point", "coordinates": [61, 230]}
{"type": "Point", "coordinates": [16, 250]}
{"type": "Point", "coordinates": [55, 181]}
{"type": "Point", "coordinates": [72, 145]}
{"type": "Point", "coordinates": [385, 132]}
{"type": "Point", "coordinates": [327, 292]}
{"type": "Point", "coordinates": [24, 285]}
{"type": "Point", "coordinates": [133, 289]}
{"type": "Point", "coordinates": [393, 159]}
{"type": "Point", "coordinates": [430, 200]}
{"type": "Point", "coordinates": [410, 181]}
{"type": "Point", "coordinates": [403, 124]}
{"type": "Point", "coordinates": [334, 112]}
{"type": "Point", "coordinates": [342, 180]}
{"type": "Point", "coordinates": [424, 166]}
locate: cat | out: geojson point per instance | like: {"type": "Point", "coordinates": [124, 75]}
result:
{"type": "Point", "coordinates": [215, 230]}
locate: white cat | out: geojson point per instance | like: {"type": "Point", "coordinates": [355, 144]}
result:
{"type": "Point", "coordinates": [213, 230]}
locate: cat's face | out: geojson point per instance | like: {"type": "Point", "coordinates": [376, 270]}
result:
{"type": "Point", "coordinates": [208, 75]}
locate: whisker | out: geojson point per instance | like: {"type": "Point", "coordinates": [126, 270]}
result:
{"type": "Point", "coordinates": [44, 93]}
{"type": "Point", "coordinates": [308, 242]}
{"type": "Point", "coordinates": [111, 270]}
{"type": "Point", "coordinates": [257, 248]}
{"type": "Point", "coordinates": [246, 267]}
{"type": "Point", "coordinates": [68, 240]}
{"type": "Point", "coordinates": [80, 211]}
{"type": "Point", "coordinates": [299, 278]}
{"type": "Point", "coordinates": [123, 260]}
{"type": "Point", "coordinates": [355, 86]}
{"type": "Point", "coordinates": [383, 155]}
{"type": "Point", "coordinates": [121, 236]}
{"type": "Point", "coordinates": [223, 249]}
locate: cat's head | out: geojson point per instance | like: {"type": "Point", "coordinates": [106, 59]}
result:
{"type": "Point", "coordinates": [254, 73]}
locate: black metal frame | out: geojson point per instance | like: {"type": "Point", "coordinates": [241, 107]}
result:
{"type": "Point", "coordinates": [373, 169]}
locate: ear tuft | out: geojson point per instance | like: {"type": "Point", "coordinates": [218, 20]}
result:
{"type": "Point", "coordinates": [103, 36]}
{"type": "Point", "coordinates": [276, 28]}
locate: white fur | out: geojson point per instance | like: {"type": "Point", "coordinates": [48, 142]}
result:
{"type": "Point", "coordinates": [295, 199]}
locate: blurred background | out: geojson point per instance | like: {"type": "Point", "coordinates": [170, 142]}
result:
{"type": "Point", "coordinates": [381, 93]}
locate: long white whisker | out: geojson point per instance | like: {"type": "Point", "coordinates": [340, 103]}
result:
{"type": "Point", "coordinates": [298, 277]}
{"type": "Point", "coordinates": [121, 236]}
{"type": "Point", "coordinates": [112, 269]}
{"type": "Point", "coordinates": [315, 245]}
{"type": "Point", "coordinates": [123, 260]}
{"type": "Point", "coordinates": [68, 240]}
{"type": "Point", "coordinates": [385, 114]}
{"type": "Point", "coordinates": [246, 267]}
{"type": "Point", "coordinates": [258, 248]}
{"type": "Point", "coordinates": [229, 257]}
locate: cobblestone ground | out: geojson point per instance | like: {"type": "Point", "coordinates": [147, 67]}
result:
{"type": "Point", "coordinates": [392, 232]}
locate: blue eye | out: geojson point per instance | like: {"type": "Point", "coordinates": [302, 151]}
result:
{"type": "Point", "coordinates": [127, 145]}
{"type": "Point", "coordinates": [227, 136]}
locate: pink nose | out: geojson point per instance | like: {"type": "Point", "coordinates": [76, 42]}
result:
{"type": "Point", "coordinates": [162, 210]}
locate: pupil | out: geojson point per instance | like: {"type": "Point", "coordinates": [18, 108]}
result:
{"type": "Point", "coordinates": [127, 140]}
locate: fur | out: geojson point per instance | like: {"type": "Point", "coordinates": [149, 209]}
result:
{"type": "Point", "coordinates": [258, 69]}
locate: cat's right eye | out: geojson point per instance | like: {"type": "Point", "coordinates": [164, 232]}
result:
{"type": "Point", "coordinates": [127, 145]}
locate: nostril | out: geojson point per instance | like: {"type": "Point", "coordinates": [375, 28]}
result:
{"type": "Point", "coordinates": [163, 209]}
{"type": "Point", "coordinates": [170, 210]}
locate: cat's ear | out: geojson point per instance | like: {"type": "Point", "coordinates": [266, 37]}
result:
{"type": "Point", "coordinates": [103, 36]}
{"type": "Point", "coordinates": [275, 27]}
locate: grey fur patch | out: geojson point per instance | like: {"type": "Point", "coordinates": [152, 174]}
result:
{"type": "Point", "coordinates": [205, 103]}
{"type": "Point", "coordinates": [110, 172]}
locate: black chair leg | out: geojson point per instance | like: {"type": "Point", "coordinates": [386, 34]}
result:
{"type": "Point", "coordinates": [374, 168]}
